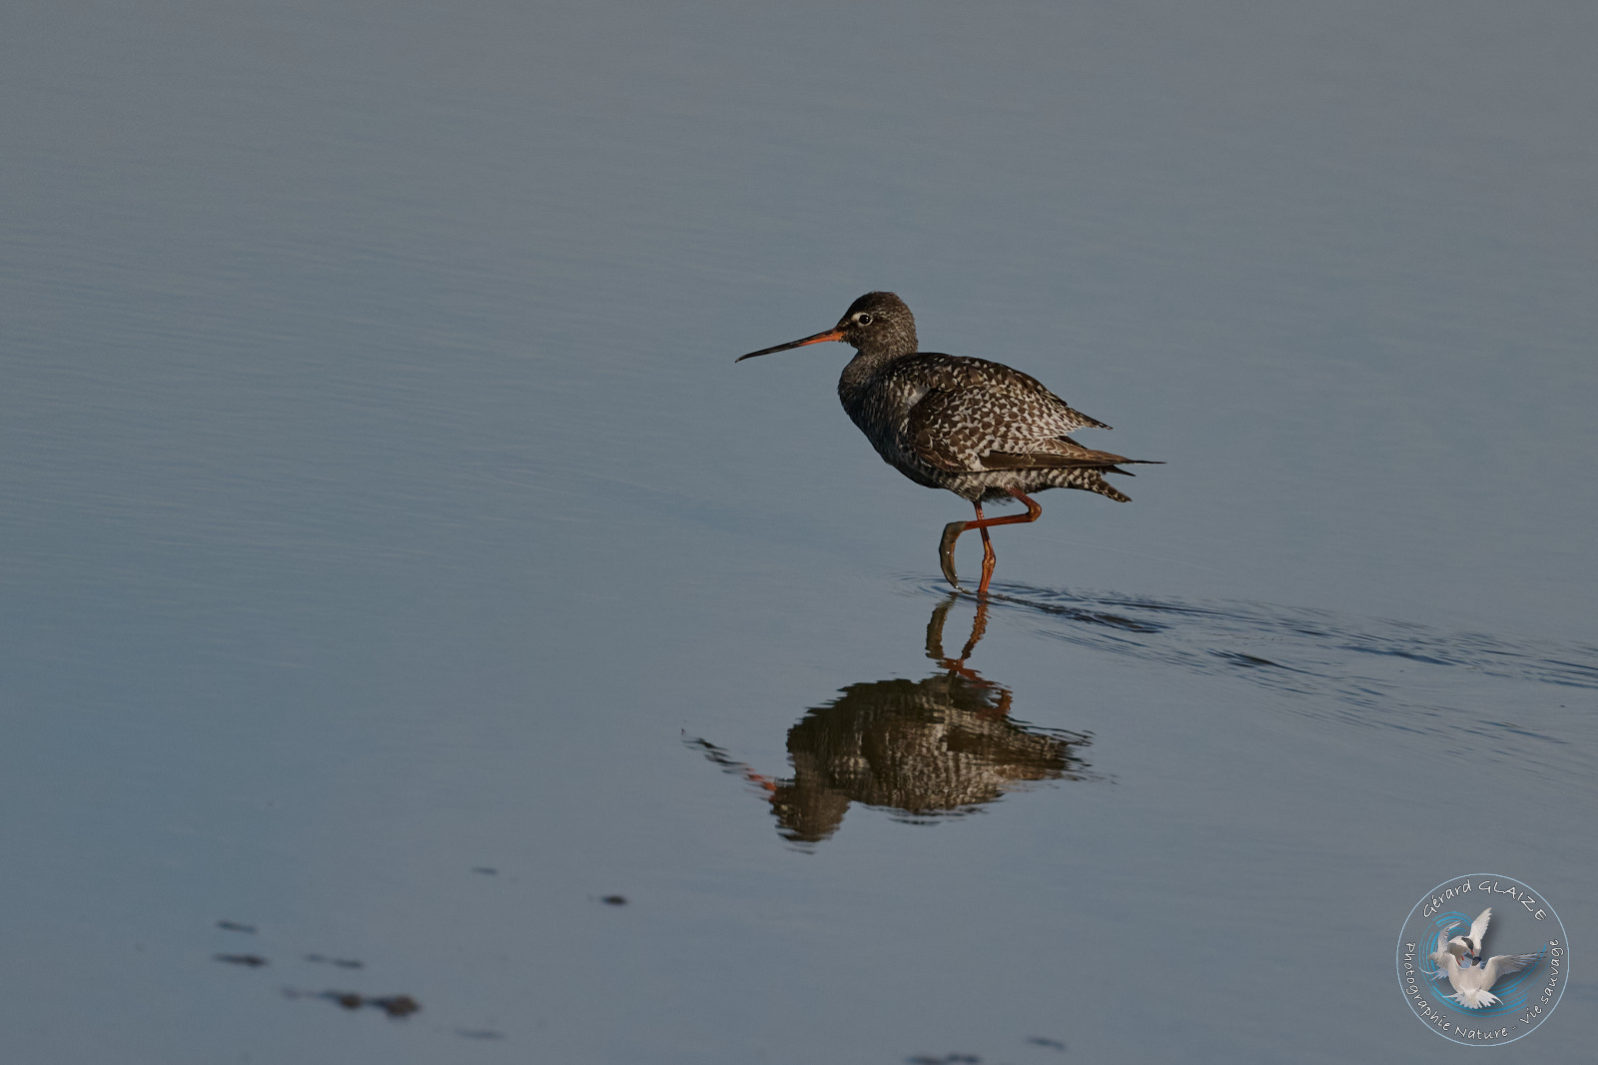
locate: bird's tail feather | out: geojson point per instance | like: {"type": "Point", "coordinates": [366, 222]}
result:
{"type": "Point", "coordinates": [1090, 480]}
{"type": "Point", "coordinates": [1474, 998]}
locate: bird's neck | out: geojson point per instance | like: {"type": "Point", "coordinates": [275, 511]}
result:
{"type": "Point", "coordinates": [857, 376]}
{"type": "Point", "coordinates": [865, 365]}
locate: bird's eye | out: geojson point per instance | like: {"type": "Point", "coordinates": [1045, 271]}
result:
{"type": "Point", "coordinates": [862, 318]}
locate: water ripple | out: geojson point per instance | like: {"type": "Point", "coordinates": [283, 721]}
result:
{"type": "Point", "coordinates": [1488, 698]}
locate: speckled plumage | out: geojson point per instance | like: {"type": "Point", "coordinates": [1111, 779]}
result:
{"type": "Point", "coordinates": [977, 428]}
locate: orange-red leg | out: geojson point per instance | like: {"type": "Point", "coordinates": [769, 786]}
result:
{"type": "Point", "coordinates": [989, 559]}
{"type": "Point", "coordinates": [952, 531]}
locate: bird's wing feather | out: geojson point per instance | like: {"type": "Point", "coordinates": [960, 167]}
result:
{"type": "Point", "coordinates": [1504, 964]}
{"type": "Point", "coordinates": [1447, 964]}
{"type": "Point", "coordinates": [1068, 454]}
{"type": "Point", "coordinates": [1478, 927]}
{"type": "Point", "coordinates": [971, 426]}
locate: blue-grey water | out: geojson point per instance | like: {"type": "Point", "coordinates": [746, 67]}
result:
{"type": "Point", "coordinates": [405, 594]}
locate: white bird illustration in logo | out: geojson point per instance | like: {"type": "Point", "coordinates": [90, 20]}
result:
{"type": "Point", "coordinates": [1471, 944]}
{"type": "Point", "coordinates": [1473, 984]}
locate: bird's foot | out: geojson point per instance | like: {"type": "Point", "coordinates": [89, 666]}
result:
{"type": "Point", "coordinates": [951, 533]}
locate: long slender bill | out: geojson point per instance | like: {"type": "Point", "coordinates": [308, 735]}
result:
{"type": "Point", "coordinates": [834, 333]}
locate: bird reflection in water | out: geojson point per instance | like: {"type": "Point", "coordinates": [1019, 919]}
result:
{"type": "Point", "coordinates": [925, 749]}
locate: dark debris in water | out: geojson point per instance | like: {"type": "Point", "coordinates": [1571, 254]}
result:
{"type": "Point", "coordinates": [614, 900]}
{"type": "Point", "coordinates": [396, 1006]}
{"type": "Point", "coordinates": [479, 1033]}
{"type": "Point", "coordinates": [1045, 1041]}
{"type": "Point", "coordinates": [252, 961]}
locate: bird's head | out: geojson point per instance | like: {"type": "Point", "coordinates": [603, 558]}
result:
{"type": "Point", "coordinates": [878, 322]}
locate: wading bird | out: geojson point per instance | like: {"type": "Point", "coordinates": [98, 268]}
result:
{"type": "Point", "coordinates": [978, 428]}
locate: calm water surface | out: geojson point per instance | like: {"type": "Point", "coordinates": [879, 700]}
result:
{"type": "Point", "coordinates": [407, 596]}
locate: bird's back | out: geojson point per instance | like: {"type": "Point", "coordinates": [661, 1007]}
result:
{"type": "Point", "coordinates": [971, 425]}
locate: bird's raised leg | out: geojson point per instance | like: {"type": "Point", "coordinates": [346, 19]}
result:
{"type": "Point", "coordinates": [952, 531]}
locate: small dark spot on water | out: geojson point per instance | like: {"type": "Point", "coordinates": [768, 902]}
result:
{"type": "Point", "coordinates": [614, 900]}
{"type": "Point", "coordinates": [946, 1059]}
{"type": "Point", "coordinates": [253, 961]}
{"type": "Point", "coordinates": [479, 1033]}
{"type": "Point", "coordinates": [1045, 1041]}
{"type": "Point", "coordinates": [485, 870]}
{"type": "Point", "coordinates": [397, 1005]}
{"type": "Point", "coordinates": [234, 926]}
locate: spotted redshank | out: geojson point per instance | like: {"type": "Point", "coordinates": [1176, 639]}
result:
{"type": "Point", "coordinates": [977, 428]}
